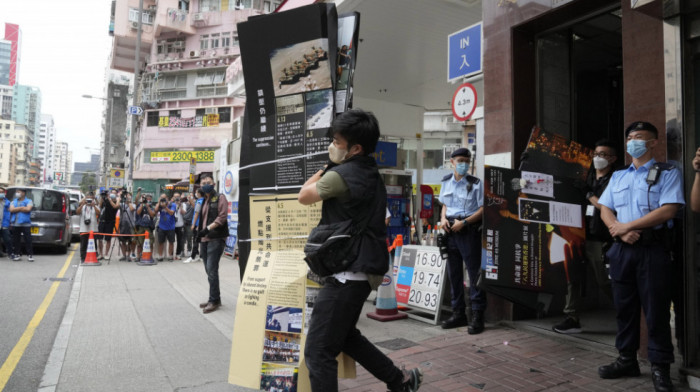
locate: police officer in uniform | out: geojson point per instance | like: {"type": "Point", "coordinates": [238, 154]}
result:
{"type": "Point", "coordinates": [462, 197]}
{"type": "Point", "coordinates": [638, 207]}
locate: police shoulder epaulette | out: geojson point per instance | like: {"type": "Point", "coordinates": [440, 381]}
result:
{"type": "Point", "coordinates": [447, 177]}
{"type": "Point", "coordinates": [664, 166]}
{"type": "Point", "coordinates": [472, 179]}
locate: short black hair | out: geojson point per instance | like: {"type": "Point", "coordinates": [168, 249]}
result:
{"type": "Point", "coordinates": [199, 192]}
{"type": "Point", "coordinates": [205, 175]}
{"type": "Point", "coordinates": [606, 143]}
{"type": "Point", "coordinates": [357, 127]}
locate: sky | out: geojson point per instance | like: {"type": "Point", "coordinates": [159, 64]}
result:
{"type": "Point", "coordinates": [65, 51]}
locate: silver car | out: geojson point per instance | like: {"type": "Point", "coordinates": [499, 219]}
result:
{"type": "Point", "coordinates": [74, 220]}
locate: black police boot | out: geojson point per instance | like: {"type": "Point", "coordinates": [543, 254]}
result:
{"type": "Point", "coordinates": [457, 320]}
{"type": "Point", "coordinates": [625, 365]}
{"type": "Point", "coordinates": [477, 324]}
{"type": "Point", "coordinates": [661, 374]}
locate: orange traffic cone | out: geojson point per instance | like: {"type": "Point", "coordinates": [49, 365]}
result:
{"type": "Point", "coordinates": [386, 309]}
{"type": "Point", "coordinates": [146, 258]}
{"type": "Point", "coordinates": [91, 256]}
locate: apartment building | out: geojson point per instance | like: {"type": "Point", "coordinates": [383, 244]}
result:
{"type": "Point", "coordinates": [15, 162]}
{"type": "Point", "coordinates": [5, 102]}
{"type": "Point", "coordinates": [64, 164]}
{"type": "Point", "coordinates": [26, 109]}
{"type": "Point", "coordinates": [189, 110]}
{"type": "Point", "coordinates": [47, 142]}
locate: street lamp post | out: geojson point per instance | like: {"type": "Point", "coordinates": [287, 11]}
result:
{"type": "Point", "coordinates": [108, 141]}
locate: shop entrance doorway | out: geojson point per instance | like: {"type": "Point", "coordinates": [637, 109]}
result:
{"type": "Point", "coordinates": [580, 96]}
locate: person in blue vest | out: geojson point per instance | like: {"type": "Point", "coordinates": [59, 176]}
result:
{"type": "Point", "coordinates": [5, 216]}
{"type": "Point", "coordinates": [638, 207]}
{"type": "Point", "coordinates": [462, 196]}
{"type": "Point", "coordinates": [21, 223]}
{"type": "Point", "coordinates": [166, 227]}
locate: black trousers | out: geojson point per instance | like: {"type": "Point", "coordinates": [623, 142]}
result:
{"type": "Point", "coordinates": [464, 249]}
{"type": "Point", "coordinates": [332, 331]}
{"type": "Point", "coordinates": [17, 233]}
{"type": "Point", "coordinates": [84, 238]}
{"type": "Point", "coordinates": [179, 238]}
{"type": "Point", "coordinates": [642, 278]}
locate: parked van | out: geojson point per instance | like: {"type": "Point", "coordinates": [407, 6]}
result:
{"type": "Point", "coordinates": [51, 226]}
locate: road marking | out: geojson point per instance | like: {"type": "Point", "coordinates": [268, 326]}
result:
{"type": "Point", "coordinates": [16, 354]}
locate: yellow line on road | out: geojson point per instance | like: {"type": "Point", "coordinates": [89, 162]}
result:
{"type": "Point", "coordinates": [16, 354]}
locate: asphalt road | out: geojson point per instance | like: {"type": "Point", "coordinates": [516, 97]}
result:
{"type": "Point", "coordinates": [24, 286]}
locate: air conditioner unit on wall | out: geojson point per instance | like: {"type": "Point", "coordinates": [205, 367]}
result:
{"type": "Point", "coordinates": [198, 16]}
{"type": "Point", "coordinates": [134, 25]}
{"type": "Point", "coordinates": [194, 53]}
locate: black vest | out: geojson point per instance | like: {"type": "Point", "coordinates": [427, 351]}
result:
{"type": "Point", "coordinates": [219, 231]}
{"type": "Point", "coordinates": [367, 202]}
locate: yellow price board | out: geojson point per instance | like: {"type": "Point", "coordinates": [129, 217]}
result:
{"type": "Point", "coordinates": [180, 156]}
{"type": "Point", "coordinates": [436, 188]}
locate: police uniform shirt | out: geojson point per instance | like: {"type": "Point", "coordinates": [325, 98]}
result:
{"type": "Point", "coordinates": [460, 200]}
{"type": "Point", "coordinates": [627, 192]}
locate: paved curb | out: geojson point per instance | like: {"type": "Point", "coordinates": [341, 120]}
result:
{"type": "Point", "coordinates": [54, 364]}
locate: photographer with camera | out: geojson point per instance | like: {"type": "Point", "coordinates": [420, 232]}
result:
{"type": "Point", "coordinates": [194, 257]}
{"type": "Point", "coordinates": [187, 214]}
{"type": "Point", "coordinates": [166, 227]}
{"type": "Point", "coordinates": [89, 214]}
{"type": "Point", "coordinates": [109, 204]}
{"type": "Point", "coordinates": [145, 222]}
{"type": "Point", "coordinates": [462, 196]}
{"type": "Point", "coordinates": [179, 225]}
{"type": "Point", "coordinates": [127, 219]}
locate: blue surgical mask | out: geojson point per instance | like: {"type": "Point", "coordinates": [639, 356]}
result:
{"type": "Point", "coordinates": [462, 168]}
{"type": "Point", "coordinates": [208, 188]}
{"type": "Point", "coordinates": [636, 148]}
{"type": "Point", "coordinates": [2, 196]}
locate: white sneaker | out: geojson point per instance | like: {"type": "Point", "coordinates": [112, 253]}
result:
{"type": "Point", "coordinates": [189, 260]}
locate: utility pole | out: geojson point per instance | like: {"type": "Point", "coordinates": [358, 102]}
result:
{"type": "Point", "coordinates": [137, 71]}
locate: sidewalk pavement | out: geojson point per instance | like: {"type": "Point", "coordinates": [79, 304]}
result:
{"type": "Point", "coordinates": [133, 328]}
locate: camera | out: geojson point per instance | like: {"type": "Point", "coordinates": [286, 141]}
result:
{"type": "Point", "coordinates": [184, 200]}
{"type": "Point", "coordinates": [88, 201]}
{"type": "Point", "coordinates": [163, 200]}
{"type": "Point", "coordinates": [442, 240]}
{"type": "Point", "coordinates": [87, 222]}
{"type": "Point", "coordinates": [144, 200]}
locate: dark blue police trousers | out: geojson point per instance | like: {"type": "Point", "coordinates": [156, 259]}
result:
{"type": "Point", "coordinates": [642, 279]}
{"type": "Point", "coordinates": [465, 249]}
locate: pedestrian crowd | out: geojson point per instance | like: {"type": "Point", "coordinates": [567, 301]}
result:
{"type": "Point", "coordinates": [170, 220]}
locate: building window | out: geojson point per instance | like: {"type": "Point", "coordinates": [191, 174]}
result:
{"type": "Point", "coordinates": [174, 113]}
{"type": "Point", "coordinates": [245, 3]}
{"type": "Point", "coordinates": [215, 41]}
{"type": "Point", "coordinates": [184, 5]}
{"type": "Point", "coordinates": [146, 17]}
{"type": "Point", "coordinates": [225, 40]}
{"type": "Point", "coordinates": [209, 5]}
{"type": "Point", "coordinates": [234, 38]}
{"type": "Point", "coordinates": [200, 112]}
{"type": "Point", "coordinates": [152, 118]}
{"type": "Point", "coordinates": [225, 115]}
{"type": "Point", "coordinates": [204, 42]}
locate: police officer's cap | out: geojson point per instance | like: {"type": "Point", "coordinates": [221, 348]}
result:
{"type": "Point", "coordinates": [641, 126]}
{"type": "Point", "coordinates": [461, 152]}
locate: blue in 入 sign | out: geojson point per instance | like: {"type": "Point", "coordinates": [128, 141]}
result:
{"type": "Point", "coordinates": [385, 154]}
{"type": "Point", "coordinates": [464, 52]}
